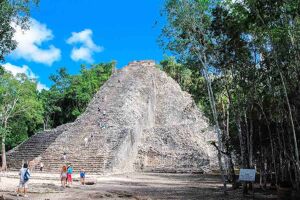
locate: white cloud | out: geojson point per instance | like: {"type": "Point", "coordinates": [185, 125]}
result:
{"type": "Point", "coordinates": [30, 44]}
{"type": "Point", "coordinates": [19, 70]}
{"type": "Point", "coordinates": [88, 47]}
{"type": "Point", "coordinates": [82, 53]}
{"type": "Point", "coordinates": [24, 70]}
{"type": "Point", "coordinates": [41, 86]}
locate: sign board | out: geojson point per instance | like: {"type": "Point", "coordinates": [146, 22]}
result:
{"type": "Point", "coordinates": [247, 175]}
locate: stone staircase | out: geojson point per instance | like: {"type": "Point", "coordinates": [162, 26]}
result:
{"type": "Point", "coordinates": [32, 148]}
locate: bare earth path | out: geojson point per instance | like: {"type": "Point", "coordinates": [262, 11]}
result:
{"type": "Point", "coordinates": [126, 186]}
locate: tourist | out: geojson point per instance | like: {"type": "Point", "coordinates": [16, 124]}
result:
{"type": "Point", "coordinates": [82, 176]}
{"type": "Point", "coordinates": [31, 165]}
{"type": "Point", "coordinates": [63, 176]}
{"type": "Point", "coordinates": [41, 166]}
{"type": "Point", "coordinates": [86, 140]}
{"type": "Point", "coordinates": [65, 156]}
{"type": "Point", "coordinates": [69, 174]}
{"type": "Point", "coordinates": [24, 177]}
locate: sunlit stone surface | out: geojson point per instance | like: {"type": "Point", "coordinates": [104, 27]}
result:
{"type": "Point", "coordinates": [140, 120]}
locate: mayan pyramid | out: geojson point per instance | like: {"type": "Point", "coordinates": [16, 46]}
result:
{"type": "Point", "coordinates": [140, 120]}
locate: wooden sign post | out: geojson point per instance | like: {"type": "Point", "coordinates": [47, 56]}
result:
{"type": "Point", "coordinates": [248, 175]}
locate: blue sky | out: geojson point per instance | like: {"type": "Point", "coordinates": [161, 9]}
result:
{"type": "Point", "coordinates": [69, 33]}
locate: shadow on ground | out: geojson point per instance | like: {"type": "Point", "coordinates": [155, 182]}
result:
{"type": "Point", "coordinates": [137, 186]}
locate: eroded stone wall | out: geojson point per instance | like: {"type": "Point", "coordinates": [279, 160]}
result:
{"type": "Point", "coordinates": [140, 120]}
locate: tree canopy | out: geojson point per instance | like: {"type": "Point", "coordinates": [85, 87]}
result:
{"type": "Point", "coordinates": [248, 53]}
{"type": "Point", "coordinates": [20, 109]}
{"type": "Point", "coordinates": [70, 94]}
{"type": "Point", "coordinates": [12, 13]}
{"type": "Point", "coordinates": [25, 111]}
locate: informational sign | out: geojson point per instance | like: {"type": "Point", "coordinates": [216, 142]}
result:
{"type": "Point", "coordinates": [247, 175]}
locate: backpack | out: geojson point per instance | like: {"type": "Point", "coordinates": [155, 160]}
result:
{"type": "Point", "coordinates": [26, 176]}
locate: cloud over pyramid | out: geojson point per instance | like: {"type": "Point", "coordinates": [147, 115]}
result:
{"type": "Point", "coordinates": [139, 120]}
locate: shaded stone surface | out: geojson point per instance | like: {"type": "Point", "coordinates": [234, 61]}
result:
{"type": "Point", "coordinates": [140, 120]}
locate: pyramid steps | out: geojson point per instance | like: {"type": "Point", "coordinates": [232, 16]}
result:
{"type": "Point", "coordinates": [138, 120]}
{"type": "Point", "coordinates": [33, 147]}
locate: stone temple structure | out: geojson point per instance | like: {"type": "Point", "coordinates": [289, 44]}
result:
{"type": "Point", "coordinates": [140, 120]}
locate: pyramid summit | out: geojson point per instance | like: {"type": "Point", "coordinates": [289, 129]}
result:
{"type": "Point", "coordinates": [139, 120]}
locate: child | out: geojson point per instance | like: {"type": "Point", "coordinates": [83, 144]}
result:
{"type": "Point", "coordinates": [24, 177]}
{"type": "Point", "coordinates": [69, 174]}
{"type": "Point", "coordinates": [63, 176]}
{"type": "Point", "coordinates": [82, 176]}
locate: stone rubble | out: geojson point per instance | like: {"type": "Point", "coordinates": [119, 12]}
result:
{"type": "Point", "coordinates": [140, 120]}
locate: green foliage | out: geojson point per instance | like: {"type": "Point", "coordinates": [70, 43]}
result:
{"type": "Point", "coordinates": [19, 133]}
{"type": "Point", "coordinates": [12, 13]}
{"type": "Point", "coordinates": [70, 94]}
{"type": "Point", "coordinates": [252, 52]}
{"type": "Point", "coordinates": [24, 111]}
{"type": "Point", "coordinates": [20, 109]}
{"type": "Point", "coordinates": [1, 70]}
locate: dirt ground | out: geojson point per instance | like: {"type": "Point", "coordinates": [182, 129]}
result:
{"type": "Point", "coordinates": [140, 186]}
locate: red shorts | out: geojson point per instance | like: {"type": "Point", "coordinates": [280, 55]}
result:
{"type": "Point", "coordinates": [69, 177]}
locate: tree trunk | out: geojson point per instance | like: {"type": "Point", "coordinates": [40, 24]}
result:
{"type": "Point", "coordinates": [273, 154]}
{"type": "Point", "coordinates": [243, 149]}
{"type": "Point", "coordinates": [265, 170]}
{"type": "Point", "coordinates": [261, 165]}
{"type": "Point", "coordinates": [251, 144]}
{"type": "Point", "coordinates": [281, 150]}
{"type": "Point", "coordinates": [230, 162]}
{"type": "Point", "coordinates": [225, 136]}
{"type": "Point", "coordinates": [4, 165]}
{"type": "Point", "coordinates": [271, 143]}
{"type": "Point", "coordinates": [232, 172]}
{"type": "Point", "coordinates": [292, 124]}
{"type": "Point", "coordinates": [250, 149]}
{"type": "Point", "coordinates": [217, 127]}
{"type": "Point", "coordinates": [247, 137]}
{"type": "Point", "coordinates": [203, 60]}
{"type": "Point", "coordinates": [44, 125]}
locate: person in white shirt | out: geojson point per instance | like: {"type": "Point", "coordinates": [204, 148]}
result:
{"type": "Point", "coordinates": [86, 140]}
{"type": "Point", "coordinates": [41, 166]}
{"type": "Point", "coordinates": [24, 177]}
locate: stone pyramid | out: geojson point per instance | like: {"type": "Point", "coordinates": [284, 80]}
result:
{"type": "Point", "coordinates": [140, 120]}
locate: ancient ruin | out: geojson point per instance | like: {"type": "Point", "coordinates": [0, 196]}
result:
{"type": "Point", "coordinates": [140, 120]}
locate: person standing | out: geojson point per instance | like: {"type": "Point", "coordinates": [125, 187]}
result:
{"type": "Point", "coordinates": [24, 178]}
{"type": "Point", "coordinates": [63, 176]}
{"type": "Point", "coordinates": [86, 140]}
{"type": "Point", "coordinates": [41, 166]}
{"type": "Point", "coordinates": [64, 157]}
{"type": "Point", "coordinates": [31, 165]}
{"type": "Point", "coordinates": [69, 174]}
{"type": "Point", "coordinates": [82, 176]}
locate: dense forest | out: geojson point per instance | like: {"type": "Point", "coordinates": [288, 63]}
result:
{"type": "Point", "coordinates": [238, 59]}
{"type": "Point", "coordinates": [246, 53]}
